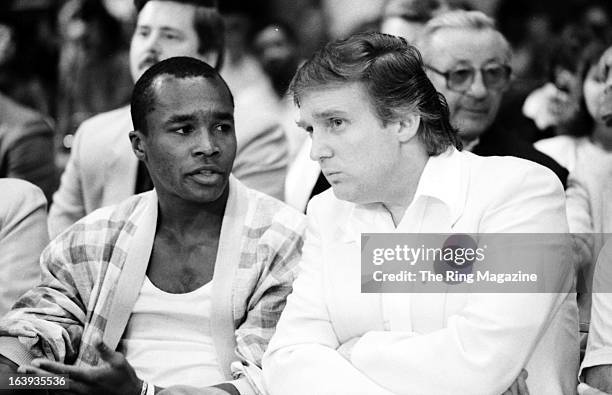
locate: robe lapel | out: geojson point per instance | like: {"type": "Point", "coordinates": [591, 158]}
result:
{"type": "Point", "coordinates": [133, 272]}
{"type": "Point", "coordinates": [228, 258]}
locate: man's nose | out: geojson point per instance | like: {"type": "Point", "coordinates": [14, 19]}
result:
{"type": "Point", "coordinates": [478, 89]}
{"type": "Point", "coordinates": [152, 43]}
{"type": "Point", "coordinates": [205, 144]}
{"type": "Point", "coordinates": [319, 148]}
{"type": "Point", "coordinates": [608, 88]}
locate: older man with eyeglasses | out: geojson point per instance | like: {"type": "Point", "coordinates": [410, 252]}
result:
{"type": "Point", "coordinates": [468, 59]}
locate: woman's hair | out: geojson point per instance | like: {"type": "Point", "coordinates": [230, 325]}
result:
{"type": "Point", "coordinates": [582, 123]}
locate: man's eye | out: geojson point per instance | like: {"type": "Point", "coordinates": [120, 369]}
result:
{"type": "Point", "coordinates": [599, 75]}
{"type": "Point", "coordinates": [142, 32]}
{"type": "Point", "coordinates": [307, 129]}
{"type": "Point", "coordinates": [223, 127]}
{"type": "Point", "coordinates": [460, 75]}
{"type": "Point", "coordinates": [171, 36]}
{"type": "Point", "coordinates": [182, 130]}
{"type": "Point", "coordinates": [336, 123]}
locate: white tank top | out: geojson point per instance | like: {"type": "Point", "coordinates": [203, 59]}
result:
{"type": "Point", "coordinates": [167, 339]}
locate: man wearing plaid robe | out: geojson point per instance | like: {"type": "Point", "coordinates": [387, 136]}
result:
{"type": "Point", "coordinates": [92, 274]}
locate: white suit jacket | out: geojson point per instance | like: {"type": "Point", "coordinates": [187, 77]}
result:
{"type": "Point", "coordinates": [23, 236]}
{"type": "Point", "coordinates": [102, 168]}
{"type": "Point", "coordinates": [424, 343]}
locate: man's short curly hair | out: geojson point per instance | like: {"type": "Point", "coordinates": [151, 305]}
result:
{"type": "Point", "coordinates": [143, 95]}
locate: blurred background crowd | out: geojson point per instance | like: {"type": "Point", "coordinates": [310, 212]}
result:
{"type": "Point", "coordinates": [68, 59]}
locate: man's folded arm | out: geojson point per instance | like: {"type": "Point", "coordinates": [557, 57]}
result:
{"type": "Point", "coordinates": [302, 356]}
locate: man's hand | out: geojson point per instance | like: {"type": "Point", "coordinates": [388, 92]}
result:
{"type": "Point", "coordinates": [17, 328]}
{"type": "Point", "coordinates": [584, 389]}
{"type": "Point", "coordinates": [113, 376]}
{"type": "Point", "coordinates": [519, 387]}
{"type": "Point", "coordinates": [599, 377]}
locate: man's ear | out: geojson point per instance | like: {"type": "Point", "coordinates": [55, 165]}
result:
{"type": "Point", "coordinates": [408, 127]}
{"type": "Point", "coordinates": [137, 139]}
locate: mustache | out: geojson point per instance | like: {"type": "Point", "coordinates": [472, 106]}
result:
{"type": "Point", "coordinates": [148, 61]}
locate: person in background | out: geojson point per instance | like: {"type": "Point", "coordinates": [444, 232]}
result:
{"type": "Point", "coordinates": [548, 109]}
{"type": "Point", "coordinates": [23, 235]}
{"type": "Point", "coordinates": [406, 18]}
{"type": "Point", "coordinates": [468, 61]}
{"type": "Point", "coordinates": [102, 170]}
{"type": "Point", "coordinates": [587, 137]}
{"type": "Point", "coordinates": [24, 57]}
{"type": "Point", "coordinates": [26, 136]}
{"type": "Point", "coordinates": [596, 368]}
{"type": "Point", "coordinates": [589, 211]}
{"type": "Point", "coordinates": [276, 47]}
{"type": "Point", "coordinates": [94, 72]}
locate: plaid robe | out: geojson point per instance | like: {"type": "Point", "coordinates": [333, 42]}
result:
{"type": "Point", "coordinates": [82, 267]}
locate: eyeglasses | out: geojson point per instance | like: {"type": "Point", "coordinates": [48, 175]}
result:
{"type": "Point", "coordinates": [494, 76]}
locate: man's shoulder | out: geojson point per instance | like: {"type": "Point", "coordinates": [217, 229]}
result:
{"type": "Point", "coordinates": [506, 170]}
{"type": "Point", "coordinates": [269, 211]}
{"type": "Point", "coordinates": [19, 196]}
{"type": "Point", "coordinates": [114, 218]}
{"type": "Point", "coordinates": [105, 126]}
{"type": "Point", "coordinates": [13, 113]}
{"type": "Point", "coordinates": [17, 122]}
{"type": "Point", "coordinates": [14, 188]}
{"type": "Point", "coordinates": [326, 206]}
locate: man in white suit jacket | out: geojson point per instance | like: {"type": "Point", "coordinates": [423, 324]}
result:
{"type": "Point", "coordinates": [102, 169]}
{"type": "Point", "coordinates": [382, 136]}
{"type": "Point", "coordinates": [23, 235]}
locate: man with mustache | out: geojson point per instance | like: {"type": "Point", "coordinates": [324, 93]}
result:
{"type": "Point", "coordinates": [102, 170]}
{"type": "Point", "coordinates": [185, 281]}
{"type": "Point", "coordinates": [468, 59]}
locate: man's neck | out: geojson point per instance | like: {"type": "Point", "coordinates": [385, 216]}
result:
{"type": "Point", "coordinates": [406, 183]}
{"type": "Point", "coordinates": [187, 219]}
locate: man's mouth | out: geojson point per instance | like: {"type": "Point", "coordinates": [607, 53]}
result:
{"type": "Point", "coordinates": [206, 175]}
{"type": "Point", "coordinates": [477, 110]}
{"type": "Point", "coordinates": [148, 62]}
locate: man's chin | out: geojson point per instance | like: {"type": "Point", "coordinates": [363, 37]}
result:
{"type": "Point", "coordinates": [470, 131]}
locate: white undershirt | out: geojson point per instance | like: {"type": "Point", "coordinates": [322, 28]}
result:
{"type": "Point", "coordinates": [167, 339]}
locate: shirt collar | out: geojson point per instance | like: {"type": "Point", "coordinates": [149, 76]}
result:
{"type": "Point", "coordinates": [444, 178]}
{"type": "Point", "coordinates": [469, 147]}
